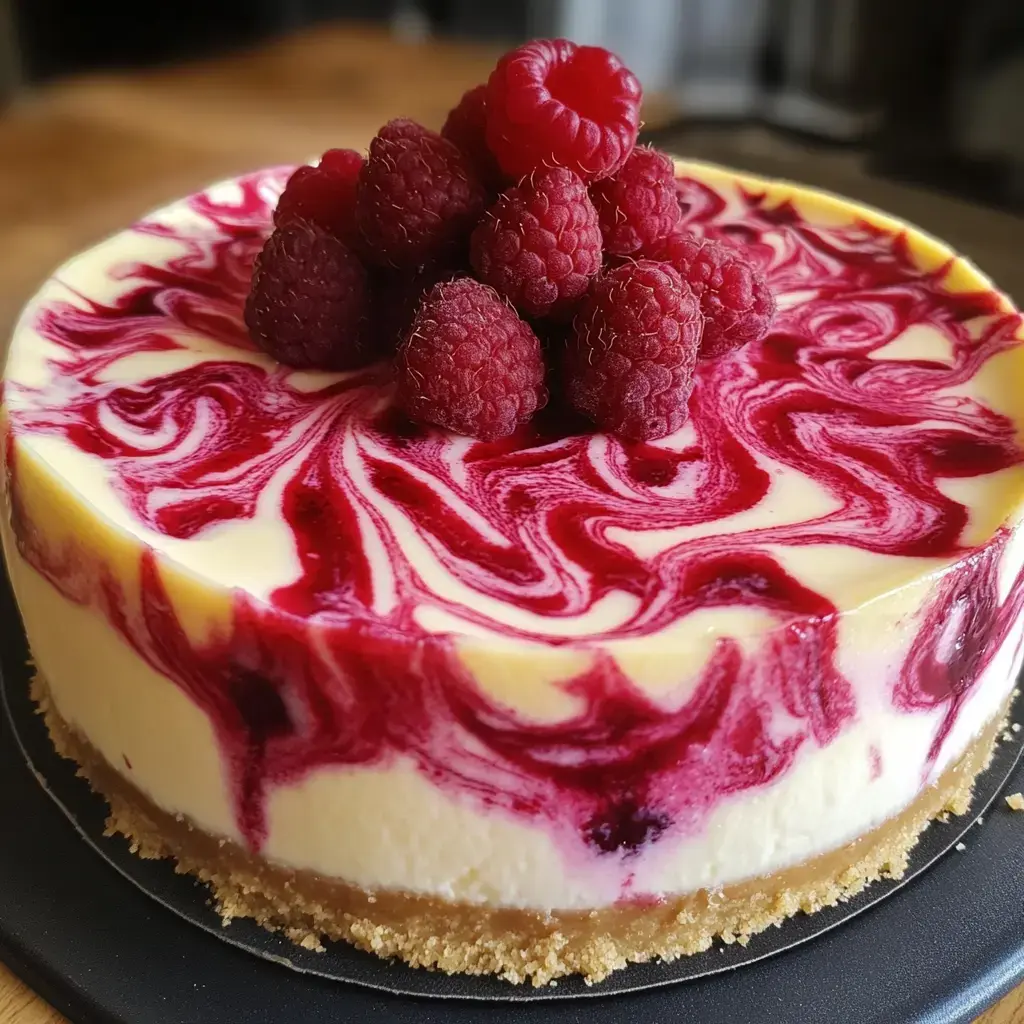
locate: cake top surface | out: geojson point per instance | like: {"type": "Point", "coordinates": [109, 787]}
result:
{"type": "Point", "coordinates": [871, 438]}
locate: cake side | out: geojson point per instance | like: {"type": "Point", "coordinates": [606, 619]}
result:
{"type": "Point", "coordinates": [518, 945]}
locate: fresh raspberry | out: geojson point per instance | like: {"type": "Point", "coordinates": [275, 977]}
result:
{"type": "Point", "coordinates": [552, 103]}
{"type": "Point", "coordinates": [736, 300]}
{"type": "Point", "coordinates": [396, 297]}
{"type": "Point", "coordinates": [637, 205]}
{"type": "Point", "coordinates": [325, 194]}
{"type": "Point", "coordinates": [540, 244]}
{"type": "Point", "coordinates": [469, 363]}
{"type": "Point", "coordinates": [466, 127]}
{"type": "Point", "coordinates": [309, 306]}
{"type": "Point", "coordinates": [418, 197]}
{"type": "Point", "coordinates": [629, 364]}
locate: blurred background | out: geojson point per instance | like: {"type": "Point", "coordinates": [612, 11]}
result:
{"type": "Point", "coordinates": [107, 109]}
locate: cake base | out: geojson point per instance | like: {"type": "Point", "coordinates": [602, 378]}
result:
{"type": "Point", "coordinates": [517, 945]}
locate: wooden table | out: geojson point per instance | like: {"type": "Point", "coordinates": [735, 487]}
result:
{"type": "Point", "coordinates": [84, 157]}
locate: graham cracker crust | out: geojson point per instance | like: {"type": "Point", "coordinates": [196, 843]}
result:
{"type": "Point", "coordinates": [517, 945]}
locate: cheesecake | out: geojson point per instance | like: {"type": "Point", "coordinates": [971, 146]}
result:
{"type": "Point", "coordinates": [542, 705]}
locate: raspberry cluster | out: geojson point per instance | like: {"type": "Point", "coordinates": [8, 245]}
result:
{"type": "Point", "coordinates": [532, 215]}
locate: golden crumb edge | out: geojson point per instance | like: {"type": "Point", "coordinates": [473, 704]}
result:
{"type": "Point", "coordinates": [515, 944]}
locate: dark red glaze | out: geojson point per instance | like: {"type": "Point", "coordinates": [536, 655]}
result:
{"type": "Point", "coordinates": [655, 467]}
{"type": "Point", "coordinates": [333, 667]}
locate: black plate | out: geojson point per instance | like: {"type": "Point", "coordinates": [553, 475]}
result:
{"type": "Point", "coordinates": [942, 948]}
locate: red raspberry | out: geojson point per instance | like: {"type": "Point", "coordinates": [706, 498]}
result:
{"type": "Point", "coordinates": [325, 194]}
{"type": "Point", "coordinates": [466, 126]}
{"type": "Point", "coordinates": [637, 205]}
{"type": "Point", "coordinates": [469, 363]}
{"type": "Point", "coordinates": [552, 103]}
{"type": "Point", "coordinates": [309, 306]}
{"type": "Point", "coordinates": [629, 364]}
{"type": "Point", "coordinates": [418, 197]}
{"type": "Point", "coordinates": [396, 297]}
{"type": "Point", "coordinates": [540, 244]}
{"type": "Point", "coordinates": [736, 300]}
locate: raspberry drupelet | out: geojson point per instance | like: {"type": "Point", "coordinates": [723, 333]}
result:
{"type": "Point", "coordinates": [466, 127]}
{"type": "Point", "coordinates": [540, 245]}
{"type": "Point", "coordinates": [469, 364]}
{"type": "Point", "coordinates": [735, 298]}
{"type": "Point", "coordinates": [396, 297]}
{"type": "Point", "coordinates": [637, 206]}
{"type": "Point", "coordinates": [418, 197]}
{"type": "Point", "coordinates": [551, 103]}
{"type": "Point", "coordinates": [324, 195]}
{"type": "Point", "coordinates": [630, 359]}
{"type": "Point", "coordinates": [309, 304]}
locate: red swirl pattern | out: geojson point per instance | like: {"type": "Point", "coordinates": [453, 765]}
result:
{"type": "Point", "coordinates": [531, 524]}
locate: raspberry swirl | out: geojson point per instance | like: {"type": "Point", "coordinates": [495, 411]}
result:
{"type": "Point", "coordinates": [858, 424]}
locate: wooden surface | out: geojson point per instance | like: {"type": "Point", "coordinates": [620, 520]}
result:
{"type": "Point", "coordinates": [83, 158]}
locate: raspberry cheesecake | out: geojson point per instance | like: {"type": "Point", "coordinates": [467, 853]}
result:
{"type": "Point", "coordinates": [632, 587]}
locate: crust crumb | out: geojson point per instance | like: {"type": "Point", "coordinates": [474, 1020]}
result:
{"type": "Point", "coordinates": [1015, 801]}
{"type": "Point", "coordinates": [520, 946]}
